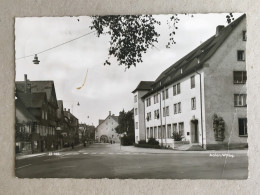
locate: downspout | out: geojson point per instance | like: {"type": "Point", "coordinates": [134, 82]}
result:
{"type": "Point", "coordinates": [165, 116]}
{"type": "Point", "coordinates": [201, 120]}
{"type": "Point", "coordinates": [161, 118]}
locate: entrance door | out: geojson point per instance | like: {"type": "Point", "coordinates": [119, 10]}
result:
{"type": "Point", "coordinates": [194, 131]}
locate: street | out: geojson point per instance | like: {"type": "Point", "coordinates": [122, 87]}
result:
{"type": "Point", "coordinates": [127, 162]}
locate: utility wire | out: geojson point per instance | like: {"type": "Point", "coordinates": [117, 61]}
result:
{"type": "Point", "coordinates": [56, 46]}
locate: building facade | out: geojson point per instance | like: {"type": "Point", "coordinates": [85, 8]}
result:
{"type": "Point", "coordinates": [105, 131]}
{"type": "Point", "coordinates": [202, 96]}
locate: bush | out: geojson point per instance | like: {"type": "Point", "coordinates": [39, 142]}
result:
{"type": "Point", "coordinates": [152, 141]}
{"type": "Point", "coordinates": [147, 146]}
{"type": "Point", "coordinates": [142, 142]}
{"type": "Point", "coordinates": [127, 140]}
{"type": "Point", "coordinates": [176, 136]}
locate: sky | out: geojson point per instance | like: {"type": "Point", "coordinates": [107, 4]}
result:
{"type": "Point", "coordinates": [107, 88]}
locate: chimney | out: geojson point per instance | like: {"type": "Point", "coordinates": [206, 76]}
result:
{"type": "Point", "coordinates": [25, 83]}
{"type": "Point", "coordinates": [219, 29]}
{"type": "Point", "coordinates": [68, 110]}
{"type": "Point", "coordinates": [25, 77]}
{"type": "Point", "coordinates": [109, 113]}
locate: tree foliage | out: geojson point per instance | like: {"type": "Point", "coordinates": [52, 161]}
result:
{"type": "Point", "coordinates": [125, 123]}
{"type": "Point", "coordinates": [132, 35]}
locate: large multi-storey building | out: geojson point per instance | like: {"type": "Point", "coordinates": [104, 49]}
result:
{"type": "Point", "coordinates": [193, 95]}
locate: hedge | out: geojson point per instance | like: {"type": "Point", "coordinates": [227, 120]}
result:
{"type": "Point", "coordinates": [147, 146]}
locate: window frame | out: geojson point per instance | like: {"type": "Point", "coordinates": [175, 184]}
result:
{"type": "Point", "coordinates": [241, 53]}
{"type": "Point", "coordinates": [244, 75]}
{"type": "Point", "coordinates": [245, 128]}
{"type": "Point", "coordinates": [192, 82]}
{"type": "Point", "coordinates": [237, 100]}
{"type": "Point", "coordinates": [193, 103]}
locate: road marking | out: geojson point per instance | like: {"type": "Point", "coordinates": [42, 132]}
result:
{"type": "Point", "coordinates": [23, 166]}
{"type": "Point", "coordinates": [110, 153]}
{"type": "Point", "coordinates": [85, 153]}
{"type": "Point", "coordinates": [102, 153]}
{"type": "Point", "coordinates": [93, 153]}
{"type": "Point", "coordinates": [118, 153]}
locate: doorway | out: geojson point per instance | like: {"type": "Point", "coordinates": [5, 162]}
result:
{"type": "Point", "coordinates": [194, 131]}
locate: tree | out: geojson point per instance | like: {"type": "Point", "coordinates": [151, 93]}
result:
{"type": "Point", "coordinates": [132, 35]}
{"type": "Point", "coordinates": [125, 123]}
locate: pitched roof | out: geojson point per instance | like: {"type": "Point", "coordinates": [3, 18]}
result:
{"type": "Point", "coordinates": [195, 59]}
{"type": "Point", "coordinates": [143, 85]}
{"type": "Point", "coordinates": [100, 121]}
{"type": "Point", "coordinates": [36, 86]}
{"type": "Point", "coordinates": [22, 114]}
{"type": "Point", "coordinates": [32, 100]}
{"type": "Point", "coordinates": [115, 118]}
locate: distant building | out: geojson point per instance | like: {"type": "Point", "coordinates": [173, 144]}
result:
{"type": "Point", "coordinates": [209, 80]}
{"type": "Point", "coordinates": [105, 131]}
{"type": "Point", "coordinates": [73, 126]}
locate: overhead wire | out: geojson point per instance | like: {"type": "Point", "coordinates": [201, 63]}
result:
{"type": "Point", "coordinates": [56, 46]}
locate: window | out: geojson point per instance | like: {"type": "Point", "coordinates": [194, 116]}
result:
{"type": "Point", "coordinates": [155, 132]}
{"type": "Point", "coordinates": [136, 125]}
{"type": "Point", "coordinates": [179, 107]}
{"type": "Point", "coordinates": [42, 114]}
{"type": "Point", "coordinates": [166, 94]}
{"type": "Point", "coordinates": [148, 102]}
{"type": "Point", "coordinates": [239, 76]}
{"type": "Point", "coordinates": [242, 123]}
{"type": "Point", "coordinates": [167, 111]}
{"type": "Point", "coordinates": [181, 128]}
{"type": "Point", "coordinates": [174, 127]}
{"type": "Point", "coordinates": [192, 82]}
{"type": "Point", "coordinates": [46, 116]}
{"type": "Point", "coordinates": [155, 98]}
{"type": "Point", "coordinates": [241, 55]}
{"type": "Point", "coordinates": [240, 100]}
{"type": "Point", "coordinates": [244, 35]}
{"type": "Point", "coordinates": [135, 111]}
{"type": "Point", "coordinates": [178, 88]}
{"type": "Point", "coordinates": [175, 108]}
{"type": "Point", "coordinates": [156, 114]}
{"type": "Point", "coordinates": [169, 133]}
{"type": "Point", "coordinates": [174, 90]}
{"type": "Point", "coordinates": [148, 116]}
{"type": "Point", "coordinates": [163, 132]}
{"type": "Point", "coordinates": [151, 132]}
{"type": "Point", "coordinates": [159, 132]}
{"type": "Point", "coordinates": [193, 103]}
{"type": "Point", "coordinates": [135, 98]}
{"type": "Point", "coordinates": [147, 133]}
{"type": "Point", "coordinates": [163, 95]}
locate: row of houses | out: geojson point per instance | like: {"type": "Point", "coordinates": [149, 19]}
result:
{"type": "Point", "coordinates": [42, 123]}
{"type": "Point", "coordinates": [202, 96]}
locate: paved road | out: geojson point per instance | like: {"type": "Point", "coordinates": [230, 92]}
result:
{"type": "Point", "coordinates": [108, 161]}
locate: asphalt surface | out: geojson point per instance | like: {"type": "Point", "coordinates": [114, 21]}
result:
{"type": "Point", "coordinates": [109, 161]}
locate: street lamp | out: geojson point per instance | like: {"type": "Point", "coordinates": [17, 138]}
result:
{"type": "Point", "coordinates": [35, 60]}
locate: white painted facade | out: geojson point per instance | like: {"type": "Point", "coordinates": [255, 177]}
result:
{"type": "Point", "coordinates": [105, 132]}
{"type": "Point", "coordinates": [139, 116]}
{"type": "Point", "coordinates": [217, 97]}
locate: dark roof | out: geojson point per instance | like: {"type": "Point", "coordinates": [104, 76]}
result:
{"type": "Point", "coordinates": [100, 121]}
{"type": "Point", "coordinates": [36, 86]}
{"type": "Point", "coordinates": [143, 86]}
{"type": "Point", "coordinates": [22, 114]}
{"type": "Point", "coordinates": [32, 100]}
{"type": "Point", "coordinates": [195, 59]}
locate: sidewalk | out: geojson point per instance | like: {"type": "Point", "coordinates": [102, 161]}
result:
{"type": "Point", "coordinates": [24, 156]}
{"type": "Point", "coordinates": [170, 151]}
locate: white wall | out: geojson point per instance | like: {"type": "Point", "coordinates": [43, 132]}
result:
{"type": "Point", "coordinates": [108, 128]}
{"type": "Point", "coordinates": [186, 114]}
